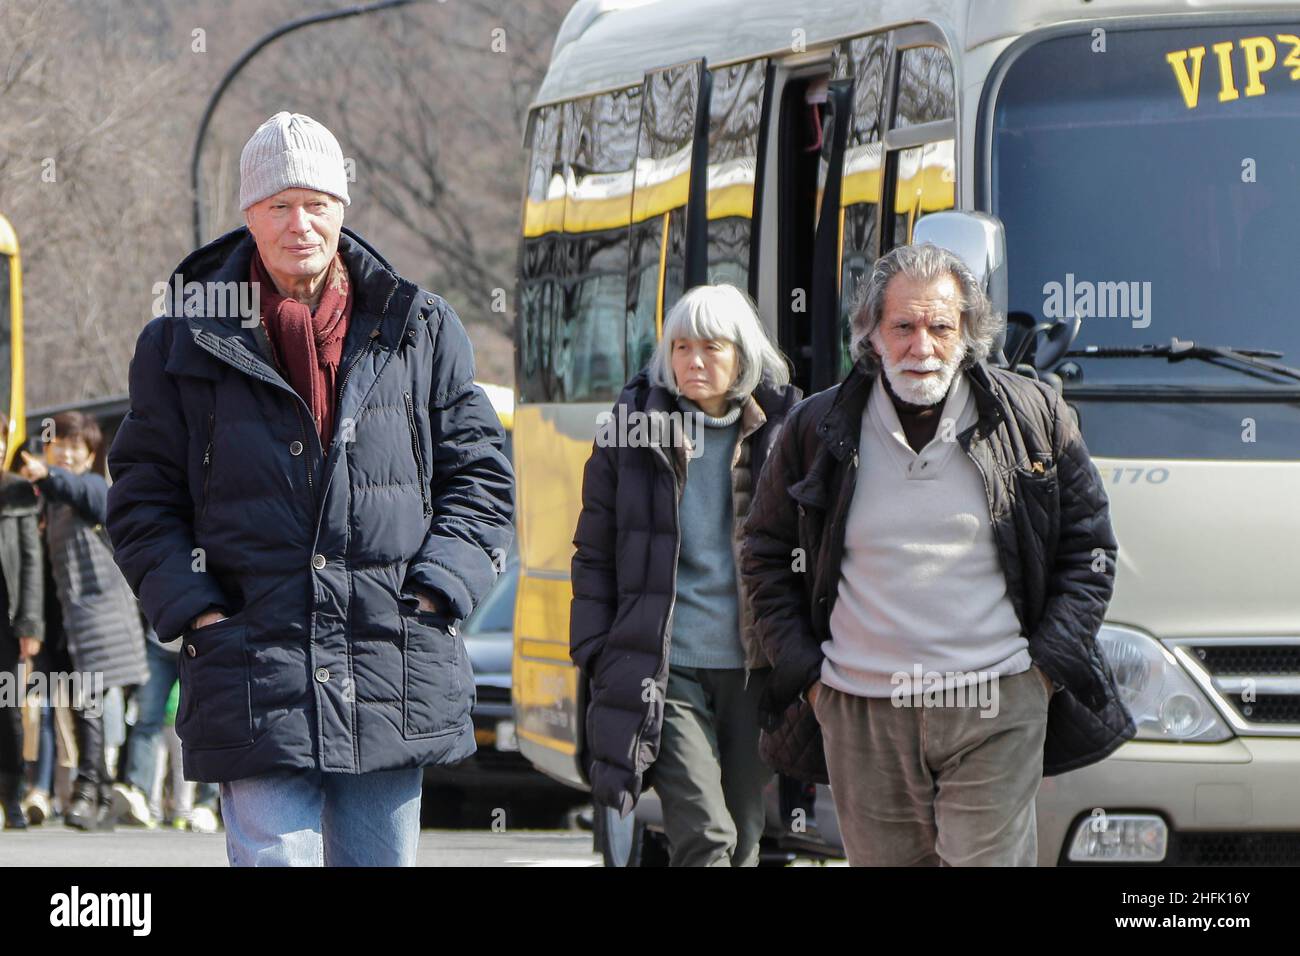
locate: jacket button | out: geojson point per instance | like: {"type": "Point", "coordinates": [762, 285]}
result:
{"type": "Point", "coordinates": [295, 447]}
{"type": "Point", "coordinates": [322, 675]}
{"type": "Point", "coordinates": [318, 562]}
{"type": "Point", "coordinates": [190, 650]}
{"type": "Point", "coordinates": [451, 629]}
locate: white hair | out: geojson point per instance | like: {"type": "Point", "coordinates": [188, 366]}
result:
{"type": "Point", "coordinates": [727, 314]}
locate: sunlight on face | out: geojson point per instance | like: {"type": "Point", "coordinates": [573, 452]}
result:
{"type": "Point", "coordinates": [297, 232]}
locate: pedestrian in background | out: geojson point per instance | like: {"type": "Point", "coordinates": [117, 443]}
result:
{"type": "Point", "coordinates": [22, 627]}
{"type": "Point", "coordinates": [100, 617]}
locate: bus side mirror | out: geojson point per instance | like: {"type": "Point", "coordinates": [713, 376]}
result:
{"type": "Point", "coordinates": [979, 240]}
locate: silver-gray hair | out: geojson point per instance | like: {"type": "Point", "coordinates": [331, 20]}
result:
{"type": "Point", "coordinates": [725, 313]}
{"type": "Point", "coordinates": [980, 325]}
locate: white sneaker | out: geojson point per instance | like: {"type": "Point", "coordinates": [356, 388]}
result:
{"type": "Point", "coordinates": [203, 820]}
{"type": "Point", "coordinates": [37, 807]}
{"type": "Point", "coordinates": [131, 807]}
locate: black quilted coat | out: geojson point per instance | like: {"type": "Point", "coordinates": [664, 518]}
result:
{"type": "Point", "coordinates": [1051, 522]}
{"type": "Point", "coordinates": [624, 583]}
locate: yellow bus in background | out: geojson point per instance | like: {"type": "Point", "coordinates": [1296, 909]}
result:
{"type": "Point", "coordinates": [11, 339]}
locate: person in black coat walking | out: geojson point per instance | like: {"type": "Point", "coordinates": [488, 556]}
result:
{"type": "Point", "coordinates": [22, 627]}
{"type": "Point", "coordinates": [310, 493]}
{"type": "Point", "coordinates": [660, 624]}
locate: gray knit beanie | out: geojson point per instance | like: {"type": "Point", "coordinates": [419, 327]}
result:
{"type": "Point", "coordinates": [291, 150]}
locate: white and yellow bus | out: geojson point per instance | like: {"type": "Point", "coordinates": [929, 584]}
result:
{"type": "Point", "coordinates": [1140, 159]}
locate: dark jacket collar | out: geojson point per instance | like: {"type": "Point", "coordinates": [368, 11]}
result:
{"type": "Point", "coordinates": [841, 425]}
{"type": "Point", "coordinates": [378, 292]}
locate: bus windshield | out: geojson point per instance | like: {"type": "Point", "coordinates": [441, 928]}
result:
{"type": "Point", "coordinates": [1149, 183]}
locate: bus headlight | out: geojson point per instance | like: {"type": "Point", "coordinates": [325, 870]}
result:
{"type": "Point", "coordinates": [1164, 701]}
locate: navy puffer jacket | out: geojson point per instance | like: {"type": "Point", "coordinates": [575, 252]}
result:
{"type": "Point", "coordinates": [221, 496]}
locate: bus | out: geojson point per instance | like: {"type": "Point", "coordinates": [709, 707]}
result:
{"type": "Point", "coordinates": [11, 340]}
{"type": "Point", "coordinates": [1137, 159]}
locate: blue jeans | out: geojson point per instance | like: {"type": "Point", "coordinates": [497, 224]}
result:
{"type": "Point", "coordinates": [43, 771]}
{"type": "Point", "coordinates": [151, 709]}
{"type": "Point", "coordinates": [310, 818]}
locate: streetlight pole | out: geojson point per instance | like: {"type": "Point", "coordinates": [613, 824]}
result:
{"type": "Point", "coordinates": [252, 51]}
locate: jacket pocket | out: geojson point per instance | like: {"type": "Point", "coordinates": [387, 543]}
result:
{"type": "Point", "coordinates": [215, 708]}
{"type": "Point", "coordinates": [419, 458]}
{"type": "Point", "coordinates": [1039, 497]}
{"type": "Point", "coordinates": [437, 679]}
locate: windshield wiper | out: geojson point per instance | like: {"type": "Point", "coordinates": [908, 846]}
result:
{"type": "Point", "coordinates": [1177, 350]}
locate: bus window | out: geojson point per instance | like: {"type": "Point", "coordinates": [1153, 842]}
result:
{"type": "Point", "coordinates": [573, 262]}
{"type": "Point", "coordinates": [864, 59]}
{"type": "Point", "coordinates": [735, 119]}
{"type": "Point", "coordinates": [925, 87]}
{"type": "Point", "coordinates": [656, 265]}
{"type": "Point", "coordinates": [598, 142]}
{"type": "Point", "coordinates": [924, 183]}
{"type": "Point", "coordinates": [539, 266]}
{"type": "Point", "coordinates": [921, 154]}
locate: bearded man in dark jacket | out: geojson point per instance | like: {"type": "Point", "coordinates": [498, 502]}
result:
{"type": "Point", "coordinates": [930, 557]}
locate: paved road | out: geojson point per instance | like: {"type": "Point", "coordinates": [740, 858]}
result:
{"type": "Point", "coordinates": [59, 846]}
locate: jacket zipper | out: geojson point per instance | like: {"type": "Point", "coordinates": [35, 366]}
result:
{"type": "Point", "coordinates": [839, 531]}
{"type": "Point", "coordinates": [672, 602]}
{"type": "Point", "coordinates": [207, 461]}
{"type": "Point", "coordinates": [419, 460]}
{"type": "Point", "coordinates": [374, 334]}
{"type": "Point", "coordinates": [306, 459]}
{"type": "Point", "coordinates": [988, 496]}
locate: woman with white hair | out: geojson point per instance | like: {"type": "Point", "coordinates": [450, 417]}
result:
{"type": "Point", "coordinates": [660, 626]}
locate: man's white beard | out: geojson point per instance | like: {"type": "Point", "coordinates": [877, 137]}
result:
{"type": "Point", "coordinates": [924, 391]}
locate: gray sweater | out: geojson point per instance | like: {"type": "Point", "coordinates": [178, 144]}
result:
{"type": "Point", "coordinates": [706, 617]}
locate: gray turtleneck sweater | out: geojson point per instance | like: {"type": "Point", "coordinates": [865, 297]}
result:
{"type": "Point", "coordinates": [706, 616]}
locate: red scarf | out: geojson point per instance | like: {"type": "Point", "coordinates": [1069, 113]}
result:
{"type": "Point", "coordinates": [309, 347]}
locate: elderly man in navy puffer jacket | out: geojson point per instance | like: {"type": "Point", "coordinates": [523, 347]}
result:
{"type": "Point", "coordinates": [310, 493]}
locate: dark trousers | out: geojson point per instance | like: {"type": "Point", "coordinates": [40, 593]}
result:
{"type": "Point", "coordinates": [709, 776]}
{"type": "Point", "coordinates": [11, 718]}
{"type": "Point", "coordinates": [92, 769]}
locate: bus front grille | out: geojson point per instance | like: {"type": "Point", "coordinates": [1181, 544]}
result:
{"type": "Point", "coordinates": [1254, 682]}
